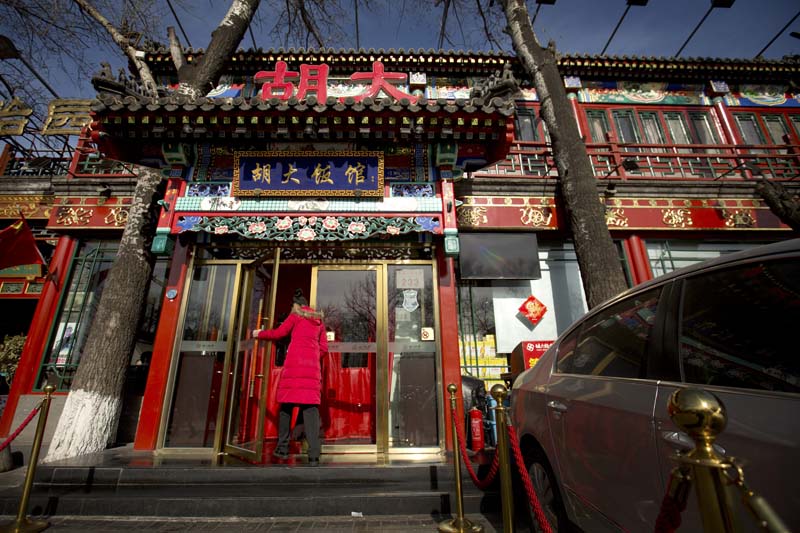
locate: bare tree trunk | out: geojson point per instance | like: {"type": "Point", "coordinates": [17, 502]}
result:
{"type": "Point", "coordinates": [89, 420]}
{"type": "Point", "coordinates": [198, 80]}
{"type": "Point", "coordinates": [91, 414]}
{"type": "Point", "coordinates": [785, 205]}
{"type": "Point", "coordinates": [598, 259]}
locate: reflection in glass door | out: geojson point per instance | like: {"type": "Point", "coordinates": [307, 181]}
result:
{"type": "Point", "coordinates": [246, 383]}
{"type": "Point", "coordinates": [198, 372]}
{"type": "Point", "coordinates": [349, 298]}
{"type": "Point", "coordinates": [413, 391]}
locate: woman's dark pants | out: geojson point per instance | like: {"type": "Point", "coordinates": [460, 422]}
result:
{"type": "Point", "coordinates": [311, 423]}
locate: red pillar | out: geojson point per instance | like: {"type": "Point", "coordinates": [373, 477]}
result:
{"type": "Point", "coordinates": [583, 127]}
{"type": "Point", "coordinates": [448, 322]}
{"type": "Point", "coordinates": [155, 391]}
{"type": "Point", "coordinates": [636, 252]}
{"type": "Point", "coordinates": [725, 117]}
{"type": "Point", "coordinates": [31, 359]}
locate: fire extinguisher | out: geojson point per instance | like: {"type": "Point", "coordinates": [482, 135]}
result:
{"type": "Point", "coordinates": [476, 429]}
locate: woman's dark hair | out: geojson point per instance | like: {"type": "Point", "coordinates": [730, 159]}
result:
{"type": "Point", "coordinates": [298, 298]}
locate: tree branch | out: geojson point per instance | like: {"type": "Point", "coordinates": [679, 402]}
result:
{"type": "Point", "coordinates": [486, 31]}
{"type": "Point", "coordinates": [175, 49]}
{"type": "Point", "coordinates": [132, 53]}
{"type": "Point", "coordinates": [309, 22]}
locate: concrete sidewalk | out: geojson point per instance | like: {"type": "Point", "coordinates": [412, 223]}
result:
{"type": "Point", "coordinates": [337, 524]}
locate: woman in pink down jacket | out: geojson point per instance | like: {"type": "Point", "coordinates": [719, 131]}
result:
{"type": "Point", "coordinates": [300, 382]}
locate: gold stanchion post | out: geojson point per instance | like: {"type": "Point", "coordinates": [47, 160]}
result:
{"type": "Point", "coordinates": [22, 523]}
{"type": "Point", "coordinates": [702, 415]}
{"type": "Point", "coordinates": [500, 393]}
{"type": "Point", "coordinates": [459, 524]}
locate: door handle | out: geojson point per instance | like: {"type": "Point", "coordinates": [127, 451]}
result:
{"type": "Point", "coordinates": [557, 406]}
{"type": "Point", "coordinates": [683, 442]}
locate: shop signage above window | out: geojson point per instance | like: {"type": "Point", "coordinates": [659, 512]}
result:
{"type": "Point", "coordinates": [313, 80]}
{"type": "Point", "coordinates": [357, 173]}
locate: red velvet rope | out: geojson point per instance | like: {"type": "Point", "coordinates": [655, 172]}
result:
{"type": "Point", "coordinates": [20, 428]}
{"type": "Point", "coordinates": [526, 480]}
{"type": "Point", "coordinates": [480, 483]}
{"type": "Point", "coordinates": [669, 516]}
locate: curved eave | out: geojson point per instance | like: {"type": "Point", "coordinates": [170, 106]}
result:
{"type": "Point", "coordinates": [177, 118]}
{"type": "Point", "coordinates": [676, 69]}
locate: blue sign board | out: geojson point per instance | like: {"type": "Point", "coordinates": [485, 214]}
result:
{"type": "Point", "coordinates": [346, 173]}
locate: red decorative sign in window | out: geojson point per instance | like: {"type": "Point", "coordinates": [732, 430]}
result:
{"type": "Point", "coordinates": [533, 310]}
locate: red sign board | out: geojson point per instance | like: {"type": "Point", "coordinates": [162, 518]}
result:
{"type": "Point", "coordinates": [313, 79]}
{"type": "Point", "coordinates": [533, 350]}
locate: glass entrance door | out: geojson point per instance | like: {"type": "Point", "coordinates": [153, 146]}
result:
{"type": "Point", "coordinates": [198, 372]}
{"type": "Point", "coordinates": [353, 303]}
{"type": "Point", "coordinates": [247, 381]}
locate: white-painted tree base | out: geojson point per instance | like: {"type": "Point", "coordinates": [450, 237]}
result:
{"type": "Point", "coordinates": [87, 425]}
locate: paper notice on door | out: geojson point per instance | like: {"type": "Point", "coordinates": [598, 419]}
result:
{"type": "Point", "coordinates": [411, 278]}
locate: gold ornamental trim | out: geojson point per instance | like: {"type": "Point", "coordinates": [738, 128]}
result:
{"type": "Point", "coordinates": [74, 216]}
{"type": "Point", "coordinates": [677, 218]}
{"type": "Point", "coordinates": [117, 216]}
{"type": "Point", "coordinates": [33, 207]}
{"type": "Point", "coordinates": [471, 216]}
{"type": "Point", "coordinates": [536, 217]}
{"type": "Point", "coordinates": [616, 217]}
{"type": "Point", "coordinates": [739, 219]}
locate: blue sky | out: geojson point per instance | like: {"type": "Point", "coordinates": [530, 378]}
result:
{"type": "Point", "coordinates": [577, 26]}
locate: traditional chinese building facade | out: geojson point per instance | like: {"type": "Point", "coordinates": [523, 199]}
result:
{"type": "Point", "coordinates": [411, 196]}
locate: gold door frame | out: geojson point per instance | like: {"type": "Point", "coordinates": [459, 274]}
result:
{"type": "Point", "coordinates": [224, 414]}
{"type": "Point", "coordinates": [381, 446]}
{"type": "Point", "coordinates": [174, 359]}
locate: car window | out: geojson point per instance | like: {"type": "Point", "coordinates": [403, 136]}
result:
{"type": "Point", "coordinates": [613, 342]}
{"type": "Point", "coordinates": [565, 352]}
{"type": "Point", "coordinates": [739, 327]}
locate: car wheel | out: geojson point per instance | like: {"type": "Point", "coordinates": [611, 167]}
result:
{"type": "Point", "coordinates": [544, 483]}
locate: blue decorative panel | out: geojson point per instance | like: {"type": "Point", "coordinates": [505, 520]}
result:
{"type": "Point", "coordinates": [356, 173]}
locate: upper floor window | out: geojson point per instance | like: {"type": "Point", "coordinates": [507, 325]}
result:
{"type": "Point", "coordinates": [529, 126]}
{"type": "Point", "coordinates": [766, 128]}
{"type": "Point", "coordinates": [598, 125]}
{"type": "Point", "coordinates": [634, 126]}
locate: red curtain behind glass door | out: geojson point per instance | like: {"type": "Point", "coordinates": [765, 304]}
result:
{"type": "Point", "coordinates": [348, 401]}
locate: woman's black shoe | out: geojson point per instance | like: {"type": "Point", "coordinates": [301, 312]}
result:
{"type": "Point", "coordinates": [313, 462]}
{"type": "Point", "coordinates": [280, 455]}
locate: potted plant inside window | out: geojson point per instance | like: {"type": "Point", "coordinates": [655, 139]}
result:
{"type": "Point", "coordinates": [10, 352]}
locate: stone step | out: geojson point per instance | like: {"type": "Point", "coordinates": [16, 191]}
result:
{"type": "Point", "coordinates": [99, 486]}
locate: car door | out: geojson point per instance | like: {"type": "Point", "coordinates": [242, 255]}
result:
{"type": "Point", "coordinates": [735, 335]}
{"type": "Point", "coordinates": [601, 413]}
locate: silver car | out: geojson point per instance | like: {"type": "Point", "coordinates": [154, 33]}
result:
{"type": "Point", "coordinates": [592, 417]}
